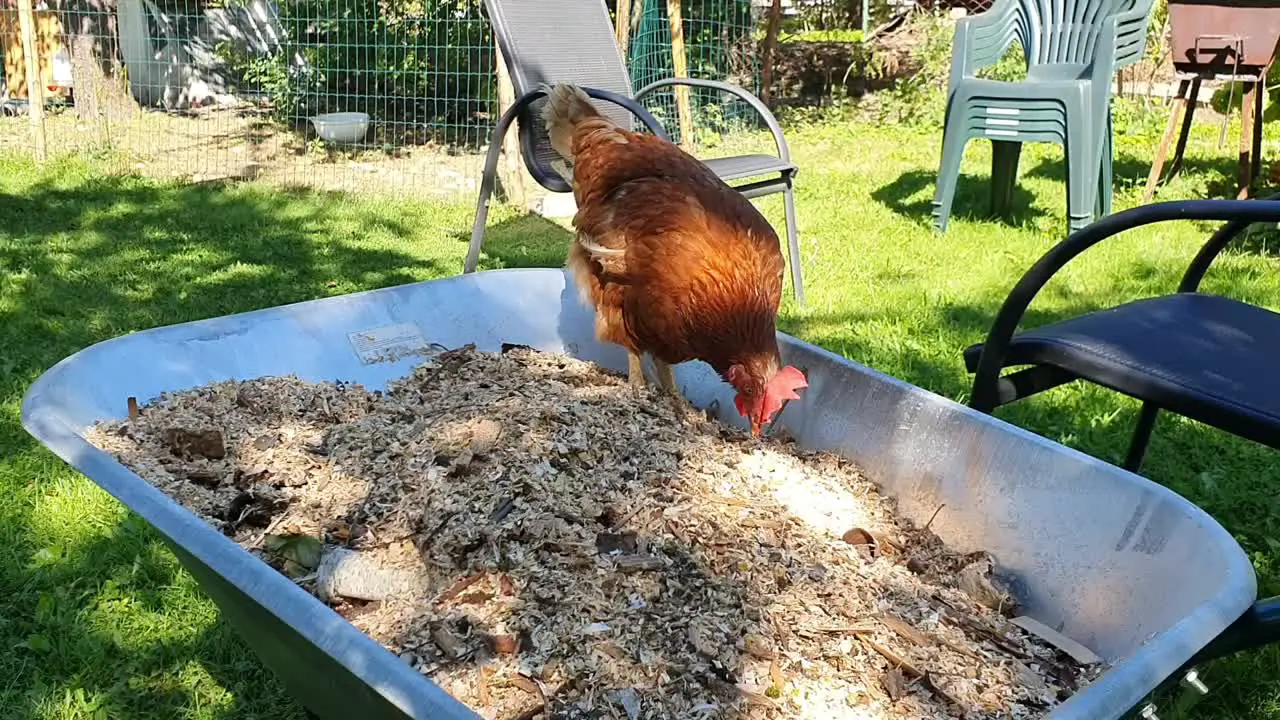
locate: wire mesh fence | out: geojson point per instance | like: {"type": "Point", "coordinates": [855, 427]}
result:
{"type": "Point", "coordinates": [390, 95]}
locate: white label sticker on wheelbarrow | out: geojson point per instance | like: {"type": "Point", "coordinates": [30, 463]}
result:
{"type": "Point", "coordinates": [389, 343]}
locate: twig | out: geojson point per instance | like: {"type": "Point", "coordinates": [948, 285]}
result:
{"type": "Point", "coordinates": [263, 535]}
{"type": "Point", "coordinates": [892, 657]}
{"type": "Point", "coordinates": [891, 24]}
{"type": "Point", "coordinates": [911, 670]}
{"type": "Point", "coordinates": [934, 516]}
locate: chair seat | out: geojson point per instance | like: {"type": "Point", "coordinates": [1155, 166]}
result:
{"type": "Point", "coordinates": [1207, 357]}
{"type": "Point", "coordinates": [741, 166]}
{"type": "Point", "coordinates": [1058, 72]}
{"type": "Point", "coordinates": [1031, 90]}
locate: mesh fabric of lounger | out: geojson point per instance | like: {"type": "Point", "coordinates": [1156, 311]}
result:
{"type": "Point", "coordinates": [1206, 357]}
{"type": "Point", "coordinates": [1073, 50]}
{"type": "Point", "coordinates": [572, 41]}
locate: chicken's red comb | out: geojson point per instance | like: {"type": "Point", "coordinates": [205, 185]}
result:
{"type": "Point", "coordinates": [786, 382]}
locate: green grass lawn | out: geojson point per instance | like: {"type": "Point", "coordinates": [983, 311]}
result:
{"type": "Point", "coordinates": [97, 620]}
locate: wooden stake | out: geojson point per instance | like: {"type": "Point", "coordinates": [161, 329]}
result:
{"type": "Point", "coordinates": [1247, 124]}
{"type": "Point", "coordinates": [770, 47]}
{"type": "Point", "coordinates": [510, 169]}
{"type": "Point", "coordinates": [680, 62]}
{"type": "Point", "coordinates": [35, 83]}
{"type": "Point", "coordinates": [622, 27]}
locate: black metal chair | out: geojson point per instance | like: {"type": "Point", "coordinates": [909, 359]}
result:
{"type": "Point", "coordinates": [550, 41]}
{"type": "Point", "coordinates": [1209, 358]}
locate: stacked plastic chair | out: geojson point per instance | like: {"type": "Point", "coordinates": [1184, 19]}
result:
{"type": "Point", "coordinates": [1073, 50]}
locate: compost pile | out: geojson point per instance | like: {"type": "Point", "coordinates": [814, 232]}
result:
{"type": "Point", "coordinates": [545, 542]}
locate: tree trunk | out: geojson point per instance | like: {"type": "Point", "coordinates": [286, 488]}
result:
{"type": "Point", "coordinates": [510, 167]}
{"type": "Point", "coordinates": [96, 69]}
{"type": "Point", "coordinates": [770, 51]}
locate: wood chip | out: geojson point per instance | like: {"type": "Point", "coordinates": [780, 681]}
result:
{"type": "Point", "coordinates": [525, 684]}
{"type": "Point", "coordinates": [452, 645]}
{"type": "Point", "coordinates": [201, 443]}
{"type": "Point", "coordinates": [903, 629]}
{"type": "Point", "coordinates": [638, 563]}
{"type": "Point", "coordinates": [503, 644]}
{"type": "Point", "coordinates": [591, 551]}
{"type": "Point", "coordinates": [1078, 652]}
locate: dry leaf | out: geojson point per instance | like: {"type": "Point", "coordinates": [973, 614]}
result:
{"type": "Point", "coordinates": [894, 684]}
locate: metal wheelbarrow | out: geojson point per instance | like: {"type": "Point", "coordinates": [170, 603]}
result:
{"type": "Point", "coordinates": [1130, 569]}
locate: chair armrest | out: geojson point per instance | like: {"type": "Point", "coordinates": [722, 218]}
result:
{"type": "Point", "coordinates": [1213, 247]}
{"type": "Point", "coordinates": [979, 41]}
{"type": "Point", "coordinates": [1103, 64]}
{"type": "Point", "coordinates": [986, 382]}
{"type": "Point", "coordinates": [780, 142]}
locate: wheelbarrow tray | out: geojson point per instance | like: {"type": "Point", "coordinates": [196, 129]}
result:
{"type": "Point", "coordinates": [1132, 570]}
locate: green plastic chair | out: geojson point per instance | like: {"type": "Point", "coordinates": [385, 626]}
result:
{"type": "Point", "coordinates": [1073, 49]}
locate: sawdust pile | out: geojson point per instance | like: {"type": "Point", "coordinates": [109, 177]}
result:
{"type": "Point", "coordinates": [542, 541]}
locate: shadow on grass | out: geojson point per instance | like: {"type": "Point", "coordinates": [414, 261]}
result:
{"type": "Point", "coordinates": [90, 617]}
{"type": "Point", "coordinates": [523, 241]}
{"type": "Point", "coordinates": [97, 620]}
{"type": "Point", "coordinates": [1128, 170]}
{"type": "Point", "coordinates": [972, 198]}
{"type": "Point", "coordinates": [83, 260]}
{"type": "Point", "coordinates": [906, 194]}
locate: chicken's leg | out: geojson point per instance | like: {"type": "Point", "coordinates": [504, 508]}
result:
{"type": "Point", "coordinates": [635, 373]}
{"type": "Point", "coordinates": [667, 380]}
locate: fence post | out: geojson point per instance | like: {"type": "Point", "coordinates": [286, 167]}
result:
{"type": "Point", "coordinates": [35, 82]}
{"type": "Point", "coordinates": [680, 63]}
{"type": "Point", "coordinates": [510, 172]}
{"type": "Point", "coordinates": [622, 27]}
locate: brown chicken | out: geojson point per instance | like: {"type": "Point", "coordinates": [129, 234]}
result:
{"type": "Point", "coordinates": [676, 263]}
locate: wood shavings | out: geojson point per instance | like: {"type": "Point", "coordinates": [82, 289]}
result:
{"type": "Point", "coordinates": [559, 546]}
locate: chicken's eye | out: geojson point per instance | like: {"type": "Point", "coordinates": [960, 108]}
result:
{"type": "Point", "coordinates": [749, 391]}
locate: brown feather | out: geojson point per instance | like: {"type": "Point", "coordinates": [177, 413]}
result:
{"type": "Point", "coordinates": [686, 267]}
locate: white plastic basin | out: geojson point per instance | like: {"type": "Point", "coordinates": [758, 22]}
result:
{"type": "Point", "coordinates": [341, 127]}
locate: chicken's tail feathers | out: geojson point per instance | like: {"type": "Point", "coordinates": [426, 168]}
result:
{"type": "Point", "coordinates": [566, 106]}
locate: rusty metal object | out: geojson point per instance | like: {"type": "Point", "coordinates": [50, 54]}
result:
{"type": "Point", "coordinates": [1223, 37]}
